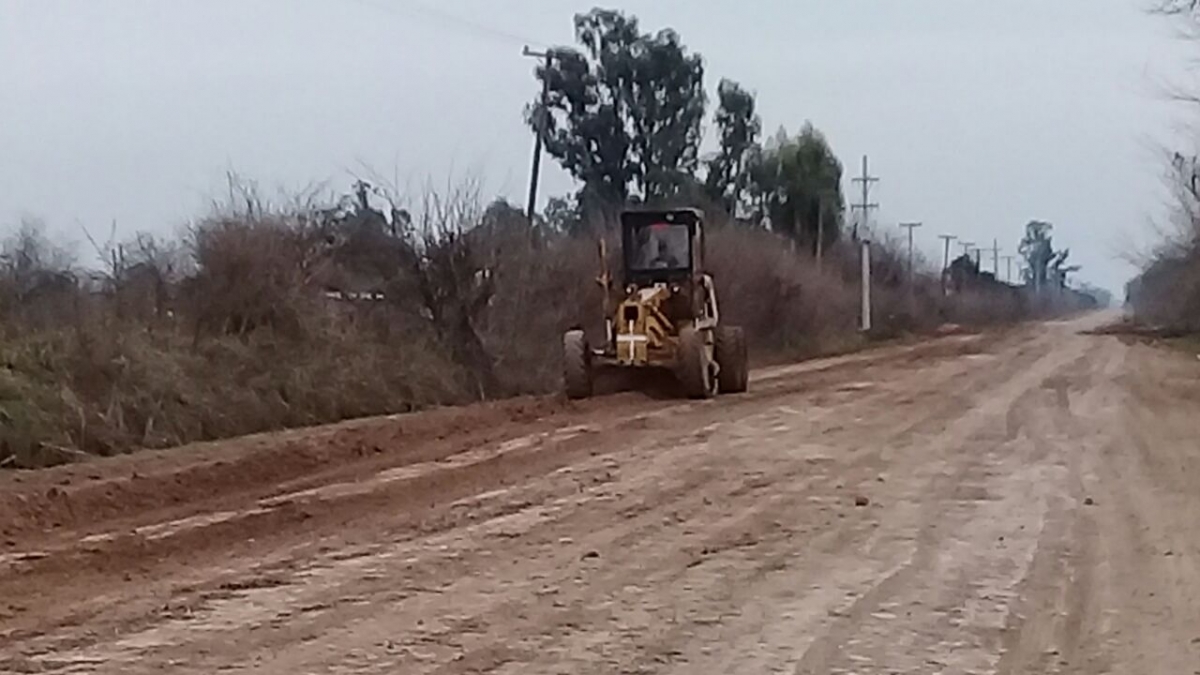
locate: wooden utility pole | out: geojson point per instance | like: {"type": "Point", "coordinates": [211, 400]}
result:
{"type": "Point", "coordinates": [539, 133]}
{"type": "Point", "coordinates": [946, 238]}
{"type": "Point", "coordinates": [996, 258]}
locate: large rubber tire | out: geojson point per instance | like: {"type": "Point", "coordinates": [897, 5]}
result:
{"type": "Point", "coordinates": [695, 375]}
{"type": "Point", "coordinates": [577, 365]}
{"type": "Point", "coordinates": [729, 349]}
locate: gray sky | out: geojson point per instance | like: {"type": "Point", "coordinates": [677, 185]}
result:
{"type": "Point", "coordinates": [977, 115]}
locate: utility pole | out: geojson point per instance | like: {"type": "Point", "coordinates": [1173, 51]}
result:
{"type": "Point", "coordinates": [946, 238]}
{"type": "Point", "coordinates": [1008, 263]}
{"type": "Point", "coordinates": [538, 134]}
{"type": "Point", "coordinates": [978, 252]}
{"type": "Point", "coordinates": [910, 227]}
{"type": "Point", "coordinates": [866, 179]}
{"type": "Point", "coordinates": [866, 285]}
{"type": "Point", "coordinates": [966, 246]}
{"type": "Point", "coordinates": [996, 258]}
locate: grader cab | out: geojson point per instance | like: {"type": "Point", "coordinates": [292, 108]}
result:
{"type": "Point", "coordinates": [661, 314]}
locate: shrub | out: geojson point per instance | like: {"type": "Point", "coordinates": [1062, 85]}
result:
{"type": "Point", "coordinates": [265, 318]}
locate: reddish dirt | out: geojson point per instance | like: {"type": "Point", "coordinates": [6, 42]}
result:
{"type": "Point", "coordinates": [1014, 502]}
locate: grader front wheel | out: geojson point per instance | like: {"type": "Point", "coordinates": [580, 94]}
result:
{"type": "Point", "coordinates": [577, 365]}
{"type": "Point", "coordinates": [730, 352]}
{"type": "Point", "coordinates": [695, 367]}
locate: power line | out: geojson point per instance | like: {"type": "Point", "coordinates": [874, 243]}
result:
{"type": "Point", "coordinates": [414, 7]}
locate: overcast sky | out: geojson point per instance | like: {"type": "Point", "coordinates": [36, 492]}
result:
{"type": "Point", "coordinates": [978, 116]}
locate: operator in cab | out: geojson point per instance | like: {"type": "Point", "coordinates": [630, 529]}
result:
{"type": "Point", "coordinates": [664, 247]}
{"type": "Point", "coordinates": [665, 259]}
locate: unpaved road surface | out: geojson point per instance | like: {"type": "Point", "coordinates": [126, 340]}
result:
{"type": "Point", "coordinates": [1017, 502]}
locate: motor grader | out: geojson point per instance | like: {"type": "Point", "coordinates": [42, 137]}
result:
{"type": "Point", "coordinates": [662, 314]}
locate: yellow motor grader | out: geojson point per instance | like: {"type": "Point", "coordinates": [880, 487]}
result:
{"type": "Point", "coordinates": [663, 315]}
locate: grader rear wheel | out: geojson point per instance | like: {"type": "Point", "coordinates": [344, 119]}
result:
{"type": "Point", "coordinates": [695, 367]}
{"type": "Point", "coordinates": [577, 365]}
{"type": "Point", "coordinates": [730, 352]}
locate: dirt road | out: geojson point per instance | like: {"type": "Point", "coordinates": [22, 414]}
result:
{"type": "Point", "coordinates": [1021, 502]}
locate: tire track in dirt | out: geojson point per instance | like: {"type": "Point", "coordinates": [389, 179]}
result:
{"type": "Point", "coordinates": [1042, 633]}
{"type": "Point", "coordinates": [488, 651]}
{"type": "Point", "coordinates": [180, 537]}
{"type": "Point", "coordinates": [844, 538]}
{"type": "Point", "coordinates": [722, 537]}
{"type": "Point", "coordinates": [957, 524]}
{"type": "Point", "coordinates": [1145, 617]}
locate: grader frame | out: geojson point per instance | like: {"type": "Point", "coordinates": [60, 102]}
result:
{"type": "Point", "coordinates": [664, 314]}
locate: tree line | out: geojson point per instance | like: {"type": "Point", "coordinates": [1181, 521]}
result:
{"type": "Point", "coordinates": [624, 115]}
{"type": "Point", "coordinates": [1165, 294]}
{"type": "Point", "coordinates": [265, 315]}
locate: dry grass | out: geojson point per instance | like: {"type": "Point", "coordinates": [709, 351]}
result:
{"type": "Point", "coordinates": [1166, 295]}
{"type": "Point", "coordinates": [230, 332]}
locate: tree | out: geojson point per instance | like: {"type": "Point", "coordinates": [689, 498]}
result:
{"type": "Point", "coordinates": [762, 171]}
{"type": "Point", "coordinates": [623, 115]}
{"type": "Point", "coordinates": [1058, 269]}
{"type": "Point", "coordinates": [798, 182]}
{"type": "Point", "coordinates": [36, 276]}
{"type": "Point", "coordinates": [501, 213]}
{"type": "Point", "coordinates": [1188, 8]}
{"type": "Point", "coordinates": [563, 215]}
{"type": "Point", "coordinates": [963, 272]}
{"type": "Point", "coordinates": [1038, 252]}
{"type": "Point", "coordinates": [729, 174]}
